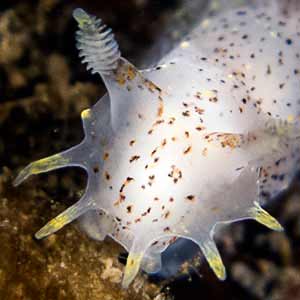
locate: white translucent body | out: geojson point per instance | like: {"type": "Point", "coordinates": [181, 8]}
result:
{"type": "Point", "coordinates": [203, 139]}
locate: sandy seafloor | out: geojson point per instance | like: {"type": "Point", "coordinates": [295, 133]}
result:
{"type": "Point", "coordinates": [43, 88]}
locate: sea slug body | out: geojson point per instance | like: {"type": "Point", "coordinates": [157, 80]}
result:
{"type": "Point", "coordinates": [205, 138]}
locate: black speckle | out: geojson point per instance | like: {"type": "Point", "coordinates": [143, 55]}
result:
{"type": "Point", "coordinates": [281, 85]}
{"type": "Point", "coordinates": [96, 169]}
{"type": "Point", "coordinates": [241, 13]}
{"type": "Point", "coordinates": [274, 177]}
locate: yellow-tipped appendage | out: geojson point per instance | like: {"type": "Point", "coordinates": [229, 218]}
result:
{"type": "Point", "coordinates": [82, 17]}
{"type": "Point", "coordinates": [40, 166]}
{"type": "Point", "coordinates": [86, 114]}
{"type": "Point", "coordinates": [132, 268]}
{"type": "Point", "coordinates": [213, 257]}
{"type": "Point", "coordinates": [263, 217]}
{"type": "Point", "coordinates": [63, 219]}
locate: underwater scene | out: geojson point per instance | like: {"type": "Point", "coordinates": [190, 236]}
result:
{"type": "Point", "coordinates": [150, 149]}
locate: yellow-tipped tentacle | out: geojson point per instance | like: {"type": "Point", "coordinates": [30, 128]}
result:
{"type": "Point", "coordinates": [63, 219]}
{"type": "Point", "coordinates": [40, 166]}
{"type": "Point", "coordinates": [213, 257]}
{"type": "Point", "coordinates": [263, 217]}
{"type": "Point", "coordinates": [132, 268]}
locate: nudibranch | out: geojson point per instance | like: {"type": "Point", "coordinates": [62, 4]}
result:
{"type": "Point", "coordinates": [205, 138]}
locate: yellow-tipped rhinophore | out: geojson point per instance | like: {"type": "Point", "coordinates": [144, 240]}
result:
{"type": "Point", "coordinates": [82, 17]}
{"type": "Point", "coordinates": [96, 44]}
{"type": "Point", "coordinates": [132, 268]}
{"type": "Point", "coordinates": [263, 217]}
{"type": "Point", "coordinates": [213, 257]}
{"type": "Point", "coordinates": [40, 166]}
